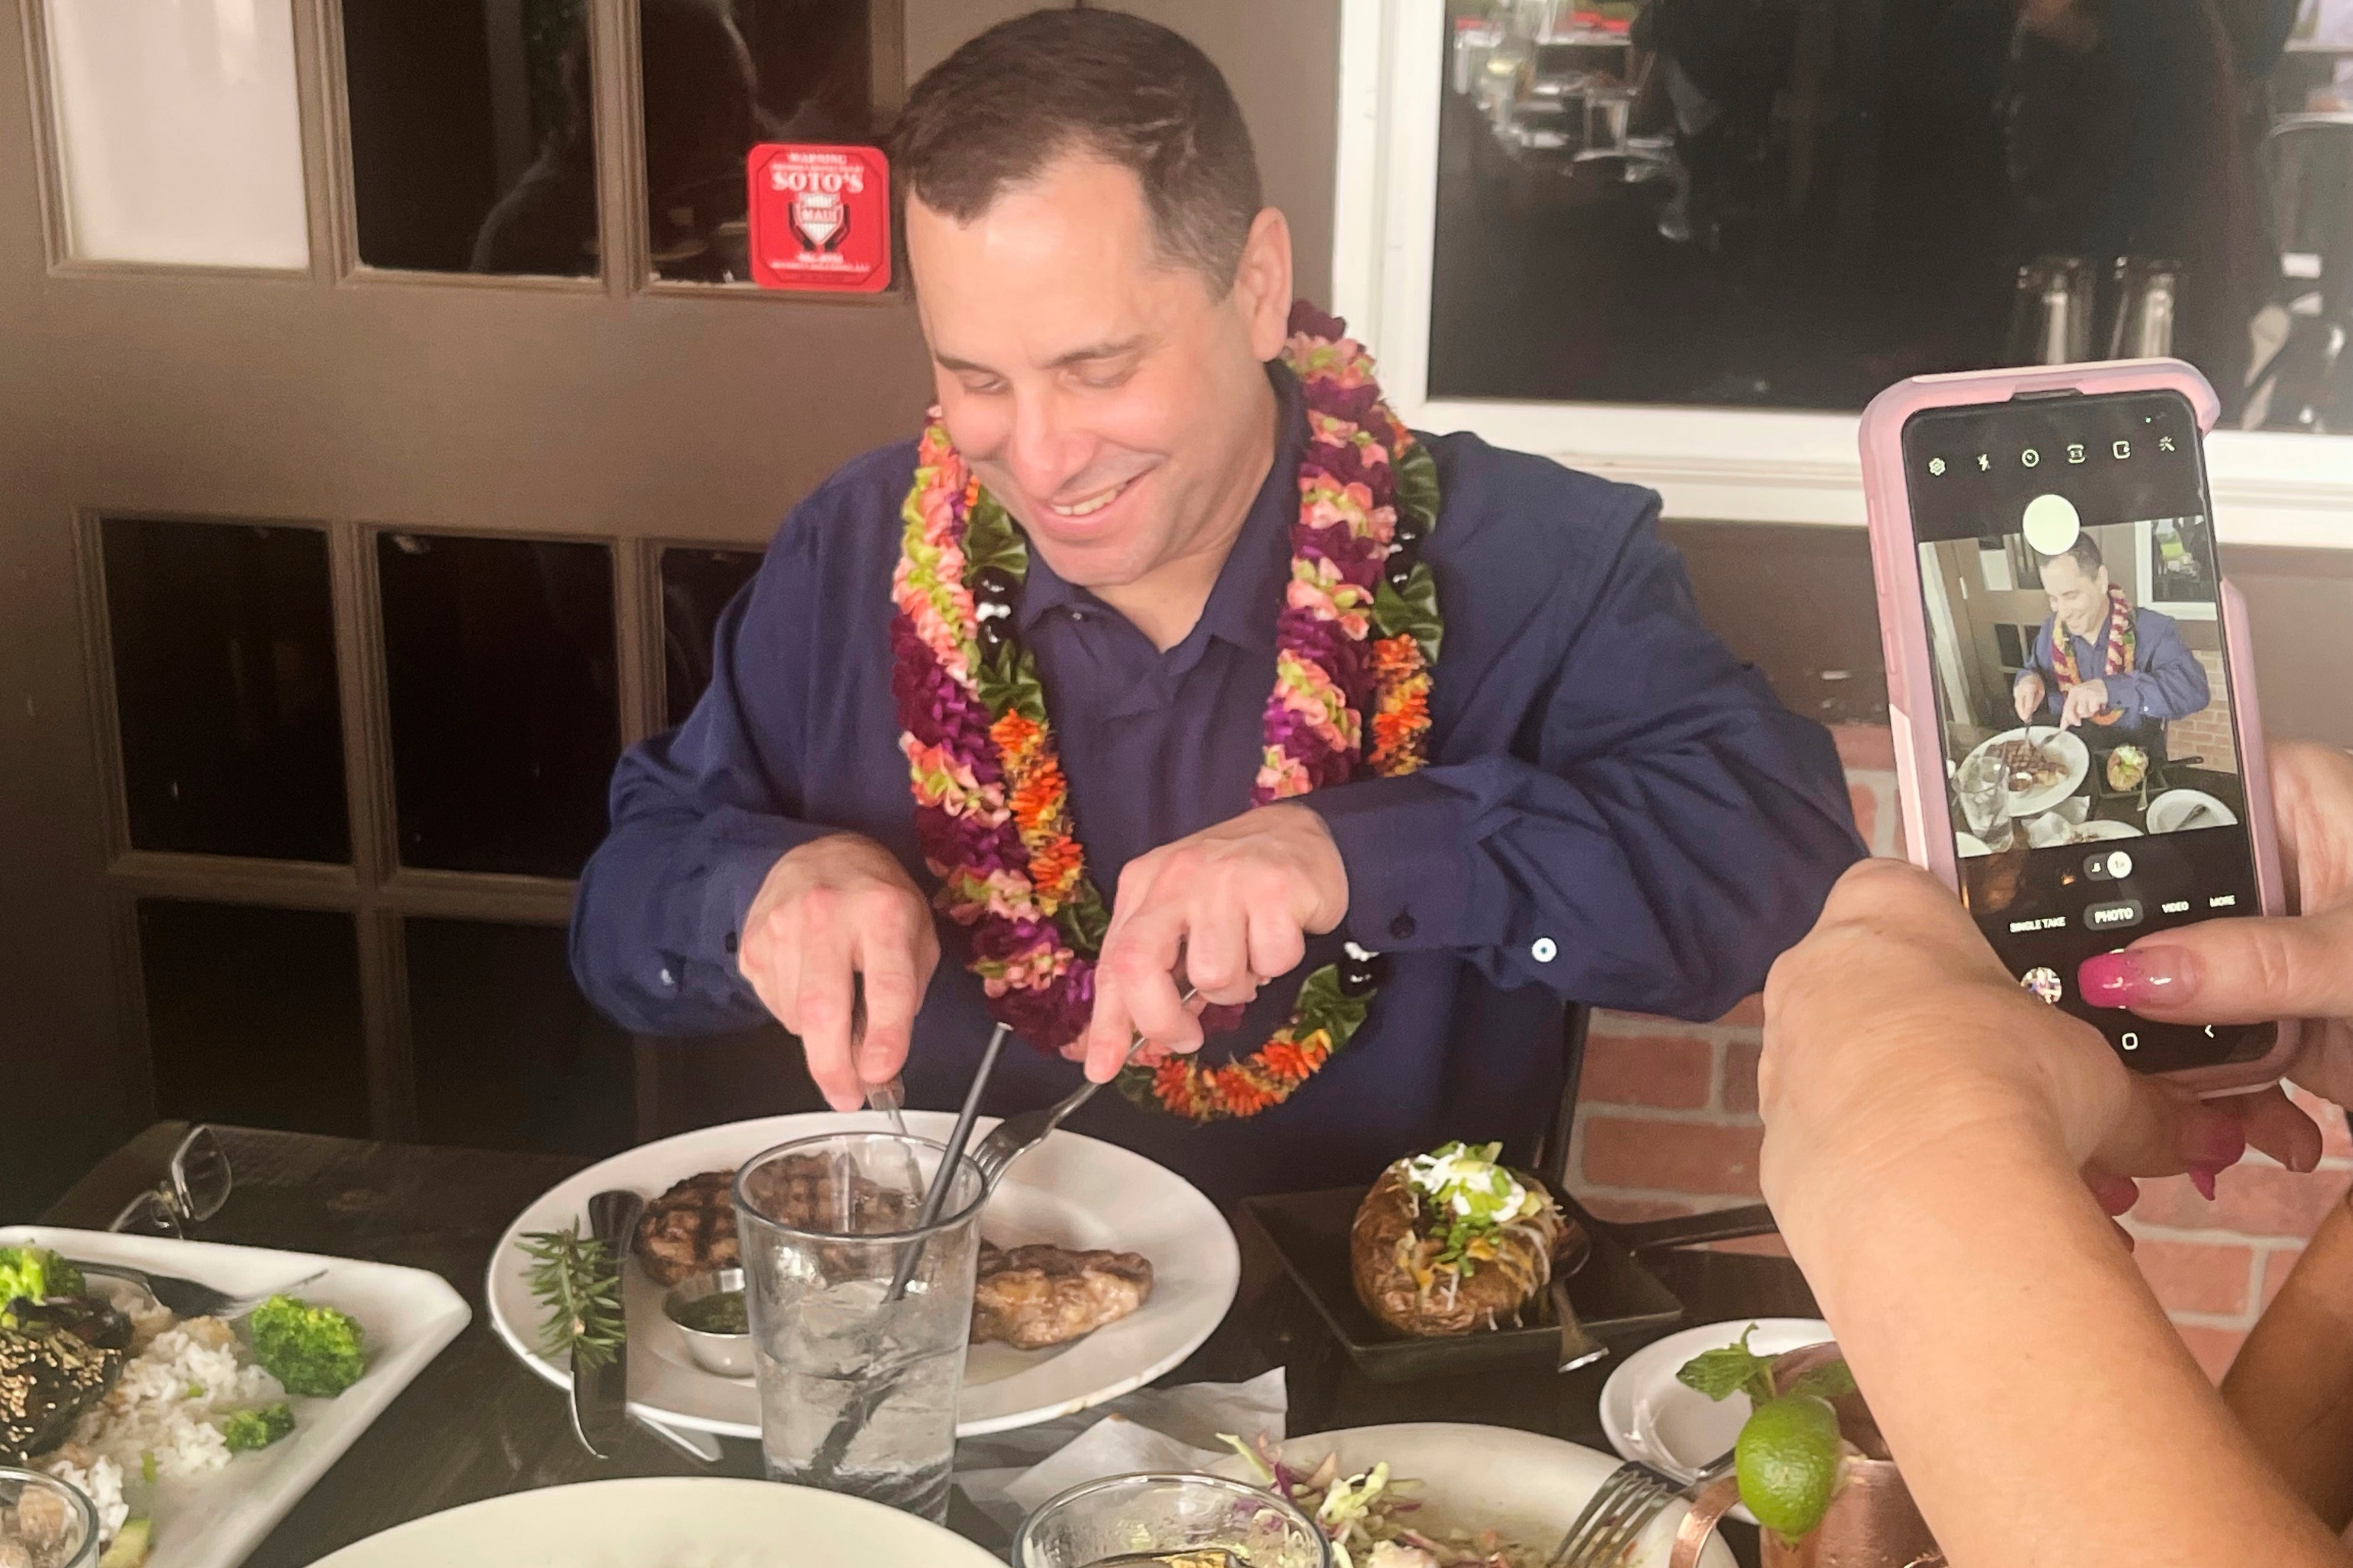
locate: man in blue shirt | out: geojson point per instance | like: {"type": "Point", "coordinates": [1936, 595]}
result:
{"type": "Point", "coordinates": [2120, 673]}
{"type": "Point", "coordinates": [1615, 810]}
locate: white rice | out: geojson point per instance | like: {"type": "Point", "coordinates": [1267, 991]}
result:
{"type": "Point", "coordinates": [164, 1408]}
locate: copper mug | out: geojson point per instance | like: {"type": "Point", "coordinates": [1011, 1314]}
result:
{"type": "Point", "coordinates": [1872, 1522]}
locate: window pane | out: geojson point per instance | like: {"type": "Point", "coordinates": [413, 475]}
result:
{"type": "Point", "coordinates": [505, 725]}
{"type": "Point", "coordinates": [253, 1015]}
{"type": "Point", "coordinates": [224, 641]}
{"type": "Point", "coordinates": [509, 1056]}
{"type": "Point", "coordinates": [473, 144]}
{"type": "Point", "coordinates": [178, 132]}
{"type": "Point", "coordinates": [1775, 204]}
{"type": "Point", "coordinates": [696, 586]}
{"type": "Point", "coordinates": [722, 75]}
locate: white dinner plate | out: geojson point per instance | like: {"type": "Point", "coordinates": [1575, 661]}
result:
{"type": "Point", "coordinates": [709, 1522]}
{"type": "Point", "coordinates": [2167, 811]}
{"type": "Point", "coordinates": [2063, 744]}
{"type": "Point", "coordinates": [406, 1315]}
{"type": "Point", "coordinates": [2100, 829]}
{"type": "Point", "coordinates": [1070, 1190]}
{"type": "Point", "coordinates": [1525, 1487]}
{"type": "Point", "coordinates": [1648, 1416]}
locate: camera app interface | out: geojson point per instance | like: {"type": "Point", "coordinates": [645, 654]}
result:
{"type": "Point", "coordinates": [2092, 777]}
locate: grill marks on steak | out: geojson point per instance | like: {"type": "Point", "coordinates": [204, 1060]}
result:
{"type": "Point", "coordinates": [690, 1229]}
{"type": "Point", "coordinates": [1032, 1297]}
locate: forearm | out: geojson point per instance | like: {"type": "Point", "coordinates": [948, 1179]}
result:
{"type": "Point", "coordinates": [2291, 1386]}
{"type": "Point", "coordinates": [1664, 880]}
{"type": "Point", "coordinates": [2043, 1409]}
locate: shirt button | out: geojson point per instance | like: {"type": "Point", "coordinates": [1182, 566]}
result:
{"type": "Point", "coordinates": [1402, 927]}
{"type": "Point", "coordinates": [666, 980]}
{"type": "Point", "coordinates": [1543, 949]}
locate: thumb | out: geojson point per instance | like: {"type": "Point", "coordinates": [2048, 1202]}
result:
{"type": "Point", "coordinates": [2231, 971]}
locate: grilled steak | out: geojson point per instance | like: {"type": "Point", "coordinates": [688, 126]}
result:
{"type": "Point", "coordinates": [1032, 1297]}
{"type": "Point", "coordinates": [690, 1229]}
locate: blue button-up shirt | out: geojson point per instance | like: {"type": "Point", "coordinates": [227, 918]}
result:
{"type": "Point", "coordinates": [1616, 811]}
{"type": "Point", "coordinates": [2164, 682]}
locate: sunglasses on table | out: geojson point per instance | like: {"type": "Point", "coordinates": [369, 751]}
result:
{"type": "Point", "coordinates": [195, 1185]}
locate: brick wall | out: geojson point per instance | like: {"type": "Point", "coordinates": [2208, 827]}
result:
{"type": "Point", "coordinates": [2206, 734]}
{"type": "Point", "coordinates": [1666, 1124]}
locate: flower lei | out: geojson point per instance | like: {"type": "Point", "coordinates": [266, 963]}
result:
{"type": "Point", "coordinates": [1357, 640]}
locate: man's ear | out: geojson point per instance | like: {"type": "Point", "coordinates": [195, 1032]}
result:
{"type": "Point", "coordinates": [1263, 282]}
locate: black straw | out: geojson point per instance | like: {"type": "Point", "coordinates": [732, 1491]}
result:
{"type": "Point", "coordinates": [936, 1197]}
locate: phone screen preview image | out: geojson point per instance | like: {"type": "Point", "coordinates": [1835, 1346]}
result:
{"type": "Point", "coordinates": [2070, 590]}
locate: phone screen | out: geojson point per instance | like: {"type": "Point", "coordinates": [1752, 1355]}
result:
{"type": "Point", "coordinates": [2092, 766]}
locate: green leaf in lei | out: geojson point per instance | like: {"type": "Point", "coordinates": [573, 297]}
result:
{"type": "Point", "coordinates": [1417, 487]}
{"type": "Point", "coordinates": [1413, 612]}
{"type": "Point", "coordinates": [1322, 1004]}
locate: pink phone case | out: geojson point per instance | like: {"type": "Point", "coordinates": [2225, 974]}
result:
{"type": "Point", "coordinates": [1904, 633]}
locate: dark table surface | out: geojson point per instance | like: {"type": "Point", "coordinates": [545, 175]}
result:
{"type": "Point", "coordinates": [476, 1424]}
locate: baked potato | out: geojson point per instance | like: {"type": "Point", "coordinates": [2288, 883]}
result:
{"type": "Point", "coordinates": [1453, 1243]}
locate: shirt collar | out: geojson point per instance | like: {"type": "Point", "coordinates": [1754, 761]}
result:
{"type": "Point", "coordinates": [1248, 598]}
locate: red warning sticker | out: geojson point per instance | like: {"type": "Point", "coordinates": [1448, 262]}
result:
{"type": "Point", "coordinates": [820, 217]}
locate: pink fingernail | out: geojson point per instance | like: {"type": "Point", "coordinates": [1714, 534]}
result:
{"type": "Point", "coordinates": [2202, 1178]}
{"type": "Point", "coordinates": [2137, 977]}
{"type": "Point", "coordinates": [2214, 1141]}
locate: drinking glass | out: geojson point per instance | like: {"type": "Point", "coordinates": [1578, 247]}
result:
{"type": "Point", "coordinates": [1142, 1518]}
{"type": "Point", "coordinates": [1981, 786]}
{"type": "Point", "coordinates": [858, 1391]}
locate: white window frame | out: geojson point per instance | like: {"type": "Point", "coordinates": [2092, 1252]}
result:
{"type": "Point", "coordinates": [1717, 465]}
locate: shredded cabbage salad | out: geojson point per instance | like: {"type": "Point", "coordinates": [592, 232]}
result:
{"type": "Point", "coordinates": [1368, 1517]}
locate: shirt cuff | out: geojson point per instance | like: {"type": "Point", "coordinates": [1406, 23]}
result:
{"type": "Point", "coordinates": [1413, 874]}
{"type": "Point", "coordinates": [739, 863]}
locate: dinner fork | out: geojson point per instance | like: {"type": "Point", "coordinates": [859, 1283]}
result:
{"type": "Point", "coordinates": [1017, 1135]}
{"type": "Point", "coordinates": [185, 1297]}
{"type": "Point", "coordinates": [1621, 1509]}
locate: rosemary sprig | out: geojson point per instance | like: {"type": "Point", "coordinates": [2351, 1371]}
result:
{"type": "Point", "coordinates": [578, 1285]}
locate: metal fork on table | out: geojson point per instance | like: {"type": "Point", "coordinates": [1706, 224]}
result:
{"type": "Point", "coordinates": [1017, 1135]}
{"type": "Point", "coordinates": [1632, 1497]}
{"type": "Point", "coordinates": [185, 1297]}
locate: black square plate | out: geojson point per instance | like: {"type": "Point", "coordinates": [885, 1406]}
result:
{"type": "Point", "coordinates": [1614, 1295]}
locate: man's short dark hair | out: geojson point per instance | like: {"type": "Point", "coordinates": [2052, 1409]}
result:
{"type": "Point", "coordinates": [2084, 552]}
{"type": "Point", "coordinates": [1130, 92]}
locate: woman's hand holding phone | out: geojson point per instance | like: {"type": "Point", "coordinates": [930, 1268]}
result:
{"type": "Point", "coordinates": [2247, 970]}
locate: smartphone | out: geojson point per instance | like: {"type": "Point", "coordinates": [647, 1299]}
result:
{"type": "Point", "coordinates": [2078, 745]}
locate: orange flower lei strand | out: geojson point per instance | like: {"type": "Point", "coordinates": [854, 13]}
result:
{"type": "Point", "coordinates": [1357, 640]}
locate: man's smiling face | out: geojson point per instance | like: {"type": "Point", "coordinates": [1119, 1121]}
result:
{"type": "Point", "coordinates": [1102, 390]}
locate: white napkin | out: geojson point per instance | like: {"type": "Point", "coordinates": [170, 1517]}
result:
{"type": "Point", "coordinates": [1008, 1474]}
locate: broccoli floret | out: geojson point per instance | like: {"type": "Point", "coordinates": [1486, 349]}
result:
{"type": "Point", "coordinates": [311, 1349]}
{"type": "Point", "coordinates": [258, 1428]}
{"type": "Point", "coordinates": [34, 1274]}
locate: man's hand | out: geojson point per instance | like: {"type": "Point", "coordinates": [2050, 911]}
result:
{"type": "Point", "coordinates": [1894, 1023]}
{"type": "Point", "coordinates": [1234, 903]}
{"type": "Point", "coordinates": [2027, 695]}
{"type": "Point", "coordinates": [2248, 970]}
{"type": "Point", "coordinates": [834, 907]}
{"type": "Point", "coordinates": [2084, 702]}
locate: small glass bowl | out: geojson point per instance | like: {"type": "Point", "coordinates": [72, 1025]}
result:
{"type": "Point", "coordinates": [79, 1546]}
{"type": "Point", "coordinates": [1123, 1518]}
{"type": "Point", "coordinates": [724, 1355]}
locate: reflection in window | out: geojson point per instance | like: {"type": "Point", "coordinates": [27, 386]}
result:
{"type": "Point", "coordinates": [696, 585]}
{"type": "Point", "coordinates": [253, 1015]}
{"type": "Point", "coordinates": [473, 145]}
{"type": "Point", "coordinates": [1785, 203]}
{"type": "Point", "coordinates": [507, 1054]}
{"type": "Point", "coordinates": [500, 670]}
{"type": "Point", "coordinates": [722, 76]}
{"type": "Point", "coordinates": [224, 643]}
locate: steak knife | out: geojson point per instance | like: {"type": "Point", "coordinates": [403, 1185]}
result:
{"type": "Point", "coordinates": [600, 1394]}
